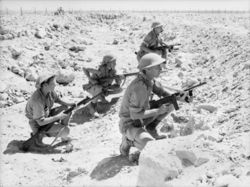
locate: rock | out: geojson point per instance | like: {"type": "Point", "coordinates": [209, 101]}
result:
{"type": "Point", "coordinates": [228, 181]}
{"type": "Point", "coordinates": [162, 160]}
{"type": "Point", "coordinates": [76, 49]}
{"type": "Point", "coordinates": [3, 86]}
{"type": "Point", "coordinates": [18, 99]}
{"type": "Point", "coordinates": [115, 42]}
{"type": "Point", "coordinates": [189, 127]}
{"type": "Point", "coordinates": [178, 62]}
{"type": "Point", "coordinates": [40, 33]}
{"type": "Point", "coordinates": [65, 76]}
{"type": "Point", "coordinates": [153, 168]}
{"type": "Point", "coordinates": [15, 53]}
{"type": "Point", "coordinates": [3, 103]}
{"type": "Point", "coordinates": [17, 70]}
{"type": "Point", "coordinates": [246, 66]}
{"type": "Point", "coordinates": [3, 97]}
{"type": "Point", "coordinates": [187, 157]}
{"type": "Point", "coordinates": [30, 75]}
{"type": "Point", "coordinates": [209, 108]}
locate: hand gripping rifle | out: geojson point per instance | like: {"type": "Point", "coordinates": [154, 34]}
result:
{"type": "Point", "coordinates": [173, 98]}
{"type": "Point", "coordinates": [43, 129]}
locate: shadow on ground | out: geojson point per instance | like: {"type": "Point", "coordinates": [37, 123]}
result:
{"type": "Point", "coordinates": [15, 146]}
{"type": "Point", "coordinates": [82, 115]}
{"type": "Point", "coordinates": [109, 167]}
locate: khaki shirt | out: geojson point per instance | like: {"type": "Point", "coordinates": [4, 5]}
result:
{"type": "Point", "coordinates": [136, 99]}
{"type": "Point", "coordinates": [39, 105]}
{"type": "Point", "coordinates": [150, 40]}
{"type": "Point", "coordinates": [104, 72]}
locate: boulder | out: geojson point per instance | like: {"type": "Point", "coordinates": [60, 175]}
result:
{"type": "Point", "coordinates": [163, 160]}
{"type": "Point", "coordinates": [227, 180]}
{"type": "Point", "coordinates": [30, 75]}
{"type": "Point", "coordinates": [17, 70]}
{"type": "Point", "coordinates": [40, 33]}
{"type": "Point", "coordinates": [65, 76]}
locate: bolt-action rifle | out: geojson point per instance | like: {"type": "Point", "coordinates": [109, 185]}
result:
{"type": "Point", "coordinates": [32, 141]}
{"type": "Point", "coordinates": [123, 76]}
{"type": "Point", "coordinates": [163, 47]}
{"type": "Point", "coordinates": [173, 98]}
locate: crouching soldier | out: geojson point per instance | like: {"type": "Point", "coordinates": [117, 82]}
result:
{"type": "Point", "coordinates": [40, 112]}
{"type": "Point", "coordinates": [102, 80]}
{"type": "Point", "coordinates": [137, 121]}
{"type": "Point", "coordinates": [151, 41]}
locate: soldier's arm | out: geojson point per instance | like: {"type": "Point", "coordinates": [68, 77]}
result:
{"type": "Point", "coordinates": [137, 100]}
{"type": "Point", "coordinates": [160, 91]}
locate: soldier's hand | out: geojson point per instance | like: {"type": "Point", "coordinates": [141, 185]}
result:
{"type": "Point", "coordinates": [185, 96]}
{"type": "Point", "coordinates": [164, 108]}
{"type": "Point", "coordinates": [62, 115]}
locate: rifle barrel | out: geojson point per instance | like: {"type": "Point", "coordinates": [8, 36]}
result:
{"type": "Point", "coordinates": [195, 86]}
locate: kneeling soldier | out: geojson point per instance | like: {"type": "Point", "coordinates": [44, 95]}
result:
{"type": "Point", "coordinates": [137, 121]}
{"type": "Point", "coordinates": [102, 80]}
{"type": "Point", "coordinates": [39, 109]}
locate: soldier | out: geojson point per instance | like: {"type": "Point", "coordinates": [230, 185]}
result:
{"type": "Point", "coordinates": [39, 109]}
{"type": "Point", "coordinates": [152, 40]}
{"type": "Point", "coordinates": [101, 80]}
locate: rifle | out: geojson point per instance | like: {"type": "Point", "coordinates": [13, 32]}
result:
{"type": "Point", "coordinates": [43, 129]}
{"type": "Point", "coordinates": [125, 75]}
{"type": "Point", "coordinates": [172, 98]}
{"type": "Point", "coordinates": [170, 48]}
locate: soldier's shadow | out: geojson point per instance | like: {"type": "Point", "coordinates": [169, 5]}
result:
{"type": "Point", "coordinates": [15, 146]}
{"type": "Point", "coordinates": [109, 167]}
{"type": "Point", "coordinates": [82, 115]}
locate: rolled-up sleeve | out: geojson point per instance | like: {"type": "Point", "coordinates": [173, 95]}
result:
{"type": "Point", "coordinates": [137, 101]}
{"type": "Point", "coordinates": [38, 111]}
{"type": "Point", "coordinates": [147, 40]}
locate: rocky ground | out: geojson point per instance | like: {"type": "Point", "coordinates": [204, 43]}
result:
{"type": "Point", "coordinates": [210, 142]}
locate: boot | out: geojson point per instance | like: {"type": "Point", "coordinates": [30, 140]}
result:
{"type": "Point", "coordinates": [125, 146]}
{"type": "Point", "coordinates": [151, 128]}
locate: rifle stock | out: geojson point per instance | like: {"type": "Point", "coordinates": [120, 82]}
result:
{"type": "Point", "coordinates": [42, 130]}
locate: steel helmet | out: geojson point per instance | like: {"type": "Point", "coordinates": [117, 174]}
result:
{"type": "Point", "coordinates": [43, 78]}
{"type": "Point", "coordinates": [156, 24]}
{"type": "Point", "coordinates": [108, 58]}
{"type": "Point", "coordinates": [150, 60]}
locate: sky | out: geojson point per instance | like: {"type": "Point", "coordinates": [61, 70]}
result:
{"type": "Point", "coordinates": [126, 4]}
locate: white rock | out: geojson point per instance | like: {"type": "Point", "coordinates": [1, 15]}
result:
{"type": "Point", "coordinates": [3, 96]}
{"type": "Point", "coordinates": [65, 76]}
{"type": "Point", "coordinates": [156, 165]}
{"type": "Point", "coordinates": [30, 75]}
{"type": "Point", "coordinates": [3, 86]}
{"type": "Point", "coordinates": [227, 180]}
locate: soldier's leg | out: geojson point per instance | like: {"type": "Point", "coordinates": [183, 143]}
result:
{"type": "Point", "coordinates": [153, 122]}
{"type": "Point", "coordinates": [139, 136]}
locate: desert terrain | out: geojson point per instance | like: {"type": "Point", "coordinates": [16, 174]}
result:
{"type": "Point", "coordinates": [215, 48]}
